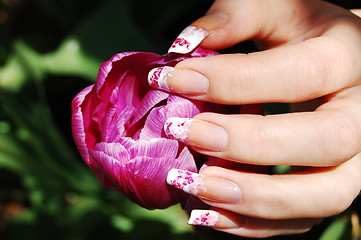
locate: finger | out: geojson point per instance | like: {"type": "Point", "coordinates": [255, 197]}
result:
{"type": "Point", "coordinates": [292, 73]}
{"type": "Point", "coordinates": [240, 225]}
{"type": "Point", "coordinates": [318, 194]}
{"type": "Point", "coordinates": [229, 22]}
{"type": "Point", "coordinates": [326, 63]}
{"type": "Point", "coordinates": [323, 138]}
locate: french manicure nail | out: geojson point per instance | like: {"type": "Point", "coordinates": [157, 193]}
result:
{"type": "Point", "coordinates": [178, 128]}
{"type": "Point", "coordinates": [208, 218]}
{"type": "Point", "coordinates": [208, 188]}
{"type": "Point", "coordinates": [157, 77]}
{"type": "Point", "coordinates": [191, 82]}
{"type": "Point", "coordinates": [189, 182]}
{"type": "Point", "coordinates": [205, 135]}
{"type": "Point", "coordinates": [188, 40]}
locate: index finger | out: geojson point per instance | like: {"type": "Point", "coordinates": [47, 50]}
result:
{"type": "Point", "coordinates": [321, 55]}
{"type": "Point", "coordinates": [290, 73]}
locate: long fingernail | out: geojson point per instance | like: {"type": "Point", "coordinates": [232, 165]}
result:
{"type": "Point", "coordinates": [178, 128]}
{"type": "Point", "coordinates": [193, 35]}
{"type": "Point", "coordinates": [187, 181]}
{"type": "Point", "coordinates": [188, 40]}
{"type": "Point", "coordinates": [205, 135]}
{"type": "Point", "coordinates": [209, 188]}
{"type": "Point", "coordinates": [192, 82]}
{"type": "Point", "coordinates": [204, 218]}
{"type": "Point", "coordinates": [157, 77]}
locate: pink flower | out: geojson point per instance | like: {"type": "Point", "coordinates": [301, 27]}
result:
{"type": "Point", "coordinates": [118, 128]}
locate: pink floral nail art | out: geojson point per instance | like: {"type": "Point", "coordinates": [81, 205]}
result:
{"type": "Point", "coordinates": [178, 128]}
{"type": "Point", "coordinates": [204, 218]}
{"type": "Point", "coordinates": [188, 40]}
{"type": "Point", "coordinates": [157, 77]}
{"type": "Point", "coordinates": [187, 181]}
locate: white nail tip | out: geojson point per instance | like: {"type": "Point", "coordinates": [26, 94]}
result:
{"type": "Point", "coordinates": [178, 128]}
{"type": "Point", "coordinates": [204, 218]}
{"type": "Point", "coordinates": [157, 77]}
{"type": "Point", "coordinates": [187, 181]}
{"type": "Point", "coordinates": [188, 40]}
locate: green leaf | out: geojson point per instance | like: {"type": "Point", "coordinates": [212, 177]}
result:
{"type": "Point", "coordinates": [339, 229]}
{"type": "Point", "coordinates": [71, 59]}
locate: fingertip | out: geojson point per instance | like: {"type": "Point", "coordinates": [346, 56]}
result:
{"type": "Point", "coordinates": [194, 34]}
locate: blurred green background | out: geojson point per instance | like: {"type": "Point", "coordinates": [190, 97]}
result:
{"type": "Point", "coordinates": [49, 51]}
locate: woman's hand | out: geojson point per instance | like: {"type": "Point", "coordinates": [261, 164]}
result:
{"type": "Point", "coordinates": [311, 50]}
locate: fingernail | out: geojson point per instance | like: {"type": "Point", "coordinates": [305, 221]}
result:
{"type": "Point", "coordinates": [187, 181]}
{"type": "Point", "coordinates": [192, 82]}
{"type": "Point", "coordinates": [205, 135]}
{"type": "Point", "coordinates": [208, 218]}
{"type": "Point", "coordinates": [178, 128]}
{"type": "Point", "coordinates": [193, 35]}
{"type": "Point", "coordinates": [208, 188]}
{"type": "Point", "coordinates": [188, 40]}
{"type": "Point", "coordinates": [157, 77]}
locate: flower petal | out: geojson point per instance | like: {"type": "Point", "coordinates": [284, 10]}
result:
{"type": "Point", "coordinates": [143, 177]}
{"type": "Point", "coordinates": [181, 107]}
{"type": "Point", "coordinates": [154, 148]}
{"type": "Point", "coordinates": [107, 66]}
{"type": "Point", "coordinates": [78, 123]}
{"type": "Point", "coordinates": [110, 157]}
{"type": "Point", "coordinates": [152, 98]}
{"type": "Point", "coordinates": [153, 124]}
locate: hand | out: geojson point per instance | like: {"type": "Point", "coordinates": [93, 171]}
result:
{"type": "Point", "coordinates": [311, 50]}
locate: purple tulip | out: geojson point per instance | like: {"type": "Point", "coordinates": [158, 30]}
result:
{"type": "Point", "coordinates": [118, 128]}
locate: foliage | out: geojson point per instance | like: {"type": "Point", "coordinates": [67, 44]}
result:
{"type": "Point", "coordinates": [49, 51]}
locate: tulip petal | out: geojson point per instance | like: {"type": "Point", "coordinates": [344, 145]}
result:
{"type": "Point", "coordinates": [143, 177]}
{"type": "Point", "coordinates": [115, 125]}
{"type": "Point", "coordinates": [153, 126]}
{"type": "Point", "coordinates": [111, 157]}
{"type": "Point", "coordinates": [152, 98]}
{"type": "Point", "coordinates": [78, 128]}
{"type": "Point", "coordinates": [181, 107]}
{"type": "Point", "coordinates": [107, 66]}
{"type": "Point", "coordinates": [147, 176]}
{"type": "Point", "coordinates": [154, 148]}
{"type": "Point", "coordinates": [201, 52]}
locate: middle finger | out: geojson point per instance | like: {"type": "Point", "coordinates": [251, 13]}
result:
{"type": "Point", "coordinates": [321, 138]}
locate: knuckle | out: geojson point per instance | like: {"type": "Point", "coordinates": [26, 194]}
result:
{"type": "Point", "coordinates": [315, 70]}
{"type": "Point", "coordinates": [263, 138]}
{"type": "Point", "coordinates": [320, 68]}
{"type": "Point", "coordinates": [343, 196]}
{"type": "Point", "coordinates": [343, 137]}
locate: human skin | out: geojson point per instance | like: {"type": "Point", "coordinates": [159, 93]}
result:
{"type": "Point", "coordinates": [310, 51]}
